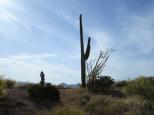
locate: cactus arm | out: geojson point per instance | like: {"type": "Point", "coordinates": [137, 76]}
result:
{"type": "Point", "coordinates": [87, 53]}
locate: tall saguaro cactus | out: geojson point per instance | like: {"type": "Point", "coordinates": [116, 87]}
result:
{"type": "Point", "coordinates": [84, 55]}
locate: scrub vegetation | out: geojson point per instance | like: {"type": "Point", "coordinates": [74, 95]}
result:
{"type": "Point", "coordinates": [131, 97]}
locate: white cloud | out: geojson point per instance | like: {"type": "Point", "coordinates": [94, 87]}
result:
{"type": "Point", "coordinates": [120, 67]}
{"type": "Point", "coordinates": [72, 21]}
{"type": "Point", "coordinates": [4, 2]}
{"type": "Point", "coordinates": [7, 17]}
{"type": "Point", "coordinates": [139, 30]}
{"type": "Point", "coordinates": [28, 67]}
{"type": "Point", "coordinates": [34, 56]}
{"type": "Point", "coordinates": [101, 40]}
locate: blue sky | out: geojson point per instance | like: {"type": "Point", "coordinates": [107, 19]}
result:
{"type": "Point", "coordinates": [43, 35]}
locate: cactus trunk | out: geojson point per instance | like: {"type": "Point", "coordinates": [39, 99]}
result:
{"type": "Point", "coordinates": [84, 55]}
{"type": "Point", "coordinates": [83, 73]}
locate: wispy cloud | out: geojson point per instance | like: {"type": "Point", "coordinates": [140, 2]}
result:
{"type": "Point", "coordinates": [124, 68]}
{"type": "Point", "coordinates": [73, 21]}
{"type": "Point", "coordinates": [34, 56]}
{"type": "Point", "coordinates": [29, 66]}
{"type": "Point", "coordinates": [137, 28]}
{"type": "Point", "coordinates": [140, 31]}
{"type": "Point", "coordinates": [7, 17]}
{"type": "Point", "coordinates": [135, 41]}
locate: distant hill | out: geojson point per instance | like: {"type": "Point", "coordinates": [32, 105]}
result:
{"type": "Point", "coordinates": [65, 85]}
{"type": "Point", "coordinates": [70, 85]}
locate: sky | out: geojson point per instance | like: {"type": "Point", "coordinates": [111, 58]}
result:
{"type": "Point", "coordinates": [43, 35]}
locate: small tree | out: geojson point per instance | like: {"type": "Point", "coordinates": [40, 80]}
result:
{"type": "Point", "coordinates": [96, 67]}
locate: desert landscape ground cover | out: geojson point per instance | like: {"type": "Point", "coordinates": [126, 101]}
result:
{"type": "Point", "coordinates": [124, 98]}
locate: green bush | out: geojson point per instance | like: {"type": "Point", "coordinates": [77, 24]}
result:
{"type": "Point", "coordinates": [10, 83]}
{"type": "Point", "coordinates": [101, 83]}
{"type": "Point", "coordinates": [47, 92]}
{"type": "Point", "coordinates": [141, 86]}
{"type": "Point", "coordinates": [2, 86]}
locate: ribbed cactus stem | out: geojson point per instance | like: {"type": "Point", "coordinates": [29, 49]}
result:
{"type": "Point", "coordinates": [84, 55]}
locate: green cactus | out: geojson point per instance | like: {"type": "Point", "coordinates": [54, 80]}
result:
{"type": "Point", "coordinates": [84, 55]}
{"type": "Point", "coordinates": [42, 82]}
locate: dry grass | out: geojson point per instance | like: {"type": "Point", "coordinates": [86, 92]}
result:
{"type": "Point", "coordinates": [100, 104]}
{"type": "Point", "coordinates": [72, 97]}
{"type": "Point", "coordinates": [82, 102]}
{"type": "Point", "coordinates": [114, 106]}
{"type": "Point", "coordinates": [17, 92]}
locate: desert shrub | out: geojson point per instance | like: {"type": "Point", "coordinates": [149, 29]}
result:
{"type": "Point", "coordinates": [60, 87]}
{"type": "Point", "coordinates": [148, 107]}
{"type": "Point", "coordinates": [47, 92]}
{"type": "Point", "coordinates": [114, 106]}
{"type": "Point", "coordinates": [2, 86]}
{"type": "Point", "coordinates": [84, 99]}
{"type": "Point", "coordinates": [10, 83]}
{"type": "Point", "coordinates": [67, 111]}
{"type": "Point", "coordinates": [101, 83]}
{"type": "Point", "coordinates": [121, 83]}
{"type": "Point", "coordinates": [25, 85]}
{"type": "Point", "coordinates": [141, 86]}
{"type": "Point", "coordinates": [10, 105]}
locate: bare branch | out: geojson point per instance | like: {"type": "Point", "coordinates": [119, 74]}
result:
{"type": "Point", "coordinates": [96, 66]}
